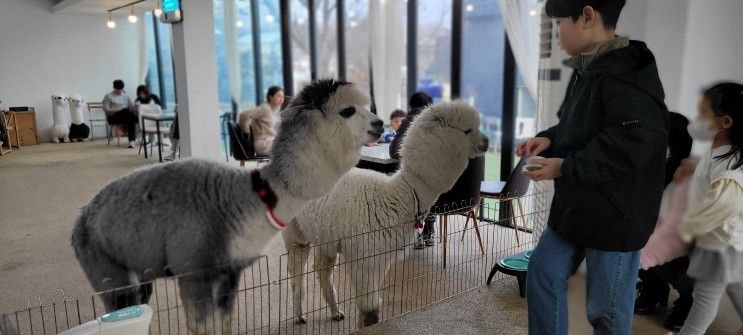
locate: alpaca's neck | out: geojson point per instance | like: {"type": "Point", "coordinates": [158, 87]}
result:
{"type": "Point", "coordinates": [426, 191]}
{"type": "Point", "coordinates": [429, 180]}
{"type": "Point", "coordinates": [298, 180]}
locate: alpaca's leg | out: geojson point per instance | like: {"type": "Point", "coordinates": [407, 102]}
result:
{"type": "Point", "coordinates": [55, 139]}
{"type": "Point", "coordinates": [297, 256]}
{"type": "Point", "coordinates": [324, 263]}
{"type": "Point", "coordinates": [202, 314]}
{"type": "Point", "coordinates": [366, 277]}
{"type": "Point", "coordinates": [66, 139]}
{"type": "Point", "coordinates": [226, 298]}
{"type": "Point", "coordinates": [108, 277]}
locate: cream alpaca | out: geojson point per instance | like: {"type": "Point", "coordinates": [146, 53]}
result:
{"type": "Point", "coordinates": [435, 152]}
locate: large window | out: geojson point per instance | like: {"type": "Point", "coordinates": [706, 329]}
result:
{"type": "Point", "coordinates": [160, 76]}
{"type": "Point", "coordinates": [482, 60]}
{"type": "Point", "coordinates": [357, 43]}
{"type": "Point", "coordinates": [244, 46]}
{"type": "Point", "coordinates": [483, 43]}
{"type": "Point", "coordinates": [270, 39]}
{"type": "Point", "coordinates": [300, 40]}
{"type": "Point", "coordinates": [327, 38]}
{"type": "Point", "coordinates": [434, 48]}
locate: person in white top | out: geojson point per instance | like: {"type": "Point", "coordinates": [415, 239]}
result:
{"type": "Point", "coordinates": [120, 110]}
{"type": "Point", "coordinates": [714, 219]}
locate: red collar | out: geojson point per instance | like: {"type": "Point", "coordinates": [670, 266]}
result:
{"type": "Point", "coordinates": [269, 198]}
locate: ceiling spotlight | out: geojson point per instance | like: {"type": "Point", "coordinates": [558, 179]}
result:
{"type": "Point", "coordinates": [158, 10]}
{"type": "Point", "coordinates": [239, 23]}
{"type": "Point", "coordinates": [270, 18]}
{"type": "Point", "coordinates": [533, 12]}
{"type": "Point", "coordinates": [354, 24]}
{"type": "Point", "coordinates": [111, 23]}
{"type": "Point", "coordinates": [470, 7]}
{"type": "Point", "coordinates": [132, 17]}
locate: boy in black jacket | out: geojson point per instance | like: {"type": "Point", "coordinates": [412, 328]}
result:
{"type": "Point", "coordinates": [606, 156]}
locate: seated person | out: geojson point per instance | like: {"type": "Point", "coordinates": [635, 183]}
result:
{"type": "Point", "coordinates": [263, 120]}
{"type": "Point", "coordinates": [147, 104]}
{"type": "Point", "coordinates": [120, 110]}
{"type": "Point", "coordinates": [418, 102]}
{"type": "Point", "coordinates": [144, 97]}
{"type": "Point", "coordinates": [396, 119]}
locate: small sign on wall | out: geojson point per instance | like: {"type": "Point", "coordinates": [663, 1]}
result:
{"type": "Point", "coordinates": [171, 11]}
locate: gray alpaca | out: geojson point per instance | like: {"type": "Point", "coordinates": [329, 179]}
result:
{"type": "Point", "coordinates": [193, 215]}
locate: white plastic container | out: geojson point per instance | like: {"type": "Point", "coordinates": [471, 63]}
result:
{"type": "Point", "coordinates": [134, 320]}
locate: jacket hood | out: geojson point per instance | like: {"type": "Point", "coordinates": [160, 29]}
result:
{"type": "Point", "coordinates": [633, 64]}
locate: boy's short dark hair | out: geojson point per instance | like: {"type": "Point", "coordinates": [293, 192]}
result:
{"type": "Point", "coordinates": [609, 9]}
{"type": "Point", "coordinates": [420, 100]}
{"type": "Point", "coordinates": [118, 84]}
{"type": "Point", "coordinates": [397, 113]}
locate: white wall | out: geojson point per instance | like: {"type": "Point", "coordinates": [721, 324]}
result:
{"type": "Point", "coordinates": [43, 54]}
{"type": "Point", "coordinates": [713, 49]}
{"type": "Point", "coordinates": [695, 42]}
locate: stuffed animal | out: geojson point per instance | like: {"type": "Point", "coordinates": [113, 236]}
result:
{"type": "Point", "coordinates": [78, 129]}
{"type": "Point", "coordinates": [59, 128]}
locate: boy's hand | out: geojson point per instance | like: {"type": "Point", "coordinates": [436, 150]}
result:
{"type": "Point", "coordinates": [532, 147]}
{"type": "Point", "coordinates": [550, 171]}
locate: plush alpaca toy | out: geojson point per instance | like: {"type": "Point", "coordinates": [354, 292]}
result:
{"type": "Point", "coordinates": [192, 215]}
{"type": "Point", "coordinates": [381, 211]}
{"type": "Point", "coordinates": [78, 129]}
{"type": "Point", "coordinates": [59, 128]}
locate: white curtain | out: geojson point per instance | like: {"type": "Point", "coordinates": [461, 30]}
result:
{"type": "Point", "coordinates": [387, 29]}
{"type": "Point", "coordinates": [521, 19]}
{"type": "Point", "coordinates": [233, 56]}
{"type": "Point", "coordinates": [144, 57]}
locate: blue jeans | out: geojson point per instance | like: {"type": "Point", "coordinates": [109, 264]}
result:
{"type": "Point", "coordinates": [610, 287]}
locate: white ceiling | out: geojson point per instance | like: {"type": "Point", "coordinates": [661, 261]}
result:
{"type": "Point", "coordinates": [99, 6]}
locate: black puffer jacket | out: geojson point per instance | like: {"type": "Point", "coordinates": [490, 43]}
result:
{"type": "Point", "coordinates": [613, 136]}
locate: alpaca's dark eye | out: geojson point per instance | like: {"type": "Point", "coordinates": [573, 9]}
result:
{"type": "Point", "coordinates": [468, 131]}
{"type": "Point", "coordinates": [348, 112]}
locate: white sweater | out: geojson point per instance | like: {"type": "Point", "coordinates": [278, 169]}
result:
{"type": "Point", "coordinates": [715, 212]}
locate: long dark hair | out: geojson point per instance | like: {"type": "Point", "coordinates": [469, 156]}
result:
{"type": "Point", "coordinates": [272, 91]}
{"type": "Point", "coordinates": [726, 99]}
{"type": "Point", "coordinates": [143, 89]}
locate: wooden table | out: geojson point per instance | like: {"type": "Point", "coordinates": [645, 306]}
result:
{"type": "Point", "coordinates": [157, 119]}
{"type": "Point", "coordinates": [378, 158]}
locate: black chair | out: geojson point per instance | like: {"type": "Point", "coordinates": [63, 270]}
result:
{"type": "Point", "coordinates": [241, 145]}
{"type": "Point", "coordinates": [462, 199]}
{"type": "Point", "coordinates": [513, 189]}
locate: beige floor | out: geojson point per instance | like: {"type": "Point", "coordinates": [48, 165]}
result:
{"type": "Point", "coordinates": [42, 187]}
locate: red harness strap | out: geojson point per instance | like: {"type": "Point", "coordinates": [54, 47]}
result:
{"type": "Point", "coordinates": [269, 198]}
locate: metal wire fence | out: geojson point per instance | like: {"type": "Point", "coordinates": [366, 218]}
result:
{"type": "Point", "coordinates": [334, 287]}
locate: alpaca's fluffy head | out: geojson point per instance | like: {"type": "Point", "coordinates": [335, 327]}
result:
{"type": "Point", "coordinates": [440, 142]}
{"type": "Point", "coordinates": [59, 100]}
{"type": "Point", "coordinates": [75, 101]}
{"type": "Point", "coordinates": [339, 110]}
{"type": "Point", "coordinates": [322, 131]}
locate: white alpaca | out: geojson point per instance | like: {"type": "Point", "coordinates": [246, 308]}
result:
{"type": "Point", "coordinates": [78, 129]}
{"type": "Point", "coordinates": [59, 128]}
{"type": "Point", "coordinates": [380, 210]}
{"type": "Point", "coordinates": [192, 215]}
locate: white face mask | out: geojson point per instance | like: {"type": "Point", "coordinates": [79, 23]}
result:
{"type": "Point", "coordinates": [699, 130]}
